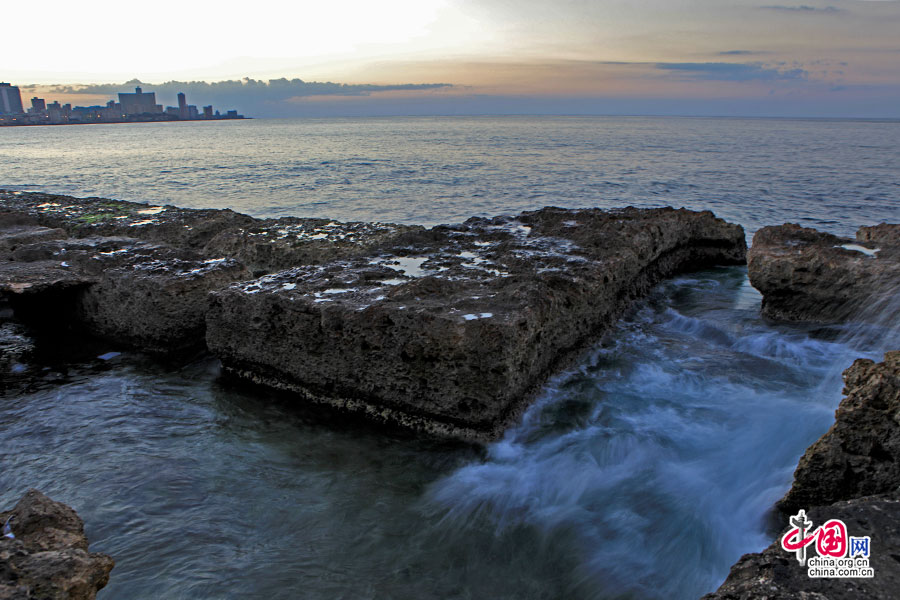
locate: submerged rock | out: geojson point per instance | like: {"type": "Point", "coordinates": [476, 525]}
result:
{"type": "Point", "coordinates": [47, 556]}
{"type": "Point", "coordinates": [448, 330]}
{"type": "Point", "coordinates": [807, 275]}
{"type": "Point", "coordinates": [860, 454]}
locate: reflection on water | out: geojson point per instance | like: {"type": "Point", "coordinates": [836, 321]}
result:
{"type": "Point", "coordinates": [643, 472]}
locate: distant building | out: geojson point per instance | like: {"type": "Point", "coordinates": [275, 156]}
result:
{"type": "Point", "coordinates": [55, 112]}
{"type": "Point", "coordinates": [10, 100]}
{"type": "Point", "coordinates": [207, 111]}
{"type": "Point", "coordinates": [182, 106]}
{"type": "Point", "coordinates": [38, 105]}
{"type": "Point", "coordinates": [139, 103]}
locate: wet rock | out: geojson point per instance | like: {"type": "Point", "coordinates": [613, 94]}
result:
{"type": "Point", "coordinates": [860, 454]}
{"type": "Point", "coordinates": [775, 574]}
{"type": "Point", "coordinates": [807, 275]}
{"type": "Point", "coordinates": [48, 559]}
{"type": "Point", "coordinates": [449, 330]}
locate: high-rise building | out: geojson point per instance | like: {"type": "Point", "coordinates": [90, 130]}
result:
{"type": "Point", "coordinates": [183, 111]}
{"type": "Point", "coordinates": [139, 102]}
{"type": "Point", "coordinates": [10, 100]}
{"type": "Point", "coordinates": [38, 105]}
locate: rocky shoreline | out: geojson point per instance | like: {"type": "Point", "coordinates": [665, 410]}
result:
{"type": "Point", "coordinates": [448, 330]}
{"type": "Point", "coordinates": [451, 330]}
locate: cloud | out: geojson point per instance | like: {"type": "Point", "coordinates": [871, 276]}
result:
{"type": "Point", "coordinates": [803, 8]}
{"type": "Point", "coordinates": [736, 52]}
{"type": "Point", "coordinates": [720, 71]}
{"type": "Point", "coordinates": [246, 94]}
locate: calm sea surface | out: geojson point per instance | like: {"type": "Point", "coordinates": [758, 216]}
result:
{"type": "Point", "coordinates": [644, 471]}
{"type": "Point", "coordinates": [829, 174]}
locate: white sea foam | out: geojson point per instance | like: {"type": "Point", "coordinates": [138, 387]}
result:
{"type": "Point", "coordinates": [863, 249]}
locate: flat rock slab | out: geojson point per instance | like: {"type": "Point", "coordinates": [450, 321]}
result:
{"type": "Point", "coordinates": [449, 329]}
{"type": "Point", "coordinates": [808, 275]}
{"type": "Point", "coordinates": [262, 245]}
{"type": "Point", "coordinates": [48, 556]}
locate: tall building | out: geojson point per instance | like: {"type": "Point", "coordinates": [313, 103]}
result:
{"type": "Point", "coordinates": [10, 100]}
{"type": "Point", "coordinates": [38, 105]}
{"type": "Point", "coordinates": [139, 102]}
{"type": "Point", "coordinates": [182, 106]}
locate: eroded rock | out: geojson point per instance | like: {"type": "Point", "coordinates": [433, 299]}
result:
{"type": "Point", "coordinates": [860, 454]}
{"type": "Point", "coordinates": [48, 559]}
{"type": "Point", "coordinates": [808, 275]}
{"type": "Point", "coordinates": [449, 329]}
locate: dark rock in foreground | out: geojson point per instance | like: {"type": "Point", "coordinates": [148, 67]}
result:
{"type": "Point", "coordinates": [851, 473]}
{"type": "Point", "coordinates": [774, 574]}
{"type": "Point", "coordinates": [860, 454]}
{"type": "Point", "coordinates": [448, 330]}
{"type": "Point", "coordinates": [807, 275]}
{"type": "Point", "coordinates": [48, 558]}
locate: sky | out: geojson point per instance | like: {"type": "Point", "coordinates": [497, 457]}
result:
{"type": "Point", "coordinates": [832, 58]}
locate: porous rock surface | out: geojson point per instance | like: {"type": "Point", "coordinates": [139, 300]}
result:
{"type": "Point", "coordinates": [48, 559]}
{"type": "Point", "coordinates": [807, 275]}
{"type": "Point", "coordinates": [449, 329]}
{"type": "Point", "coordinates": [860, 454]}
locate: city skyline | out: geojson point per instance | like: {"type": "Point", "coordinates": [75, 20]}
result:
{"type": "Point", "coordinates": [815, 58]}
{"type": "Point", "coordinates": [132, 107]}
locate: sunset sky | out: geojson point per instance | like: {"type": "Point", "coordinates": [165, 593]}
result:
{"type": "Point", "coordinates": [833, 58]}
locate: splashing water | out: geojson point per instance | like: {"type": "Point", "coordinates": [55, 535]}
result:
{"type": "Point", "coordinates": [660, 455]}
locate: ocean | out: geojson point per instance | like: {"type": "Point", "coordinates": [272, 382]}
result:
{"type": "Point", "coordinates": [643, 471]}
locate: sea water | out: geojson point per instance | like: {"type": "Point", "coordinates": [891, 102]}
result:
{"type": "Point", "coordinates": [644, 471]}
